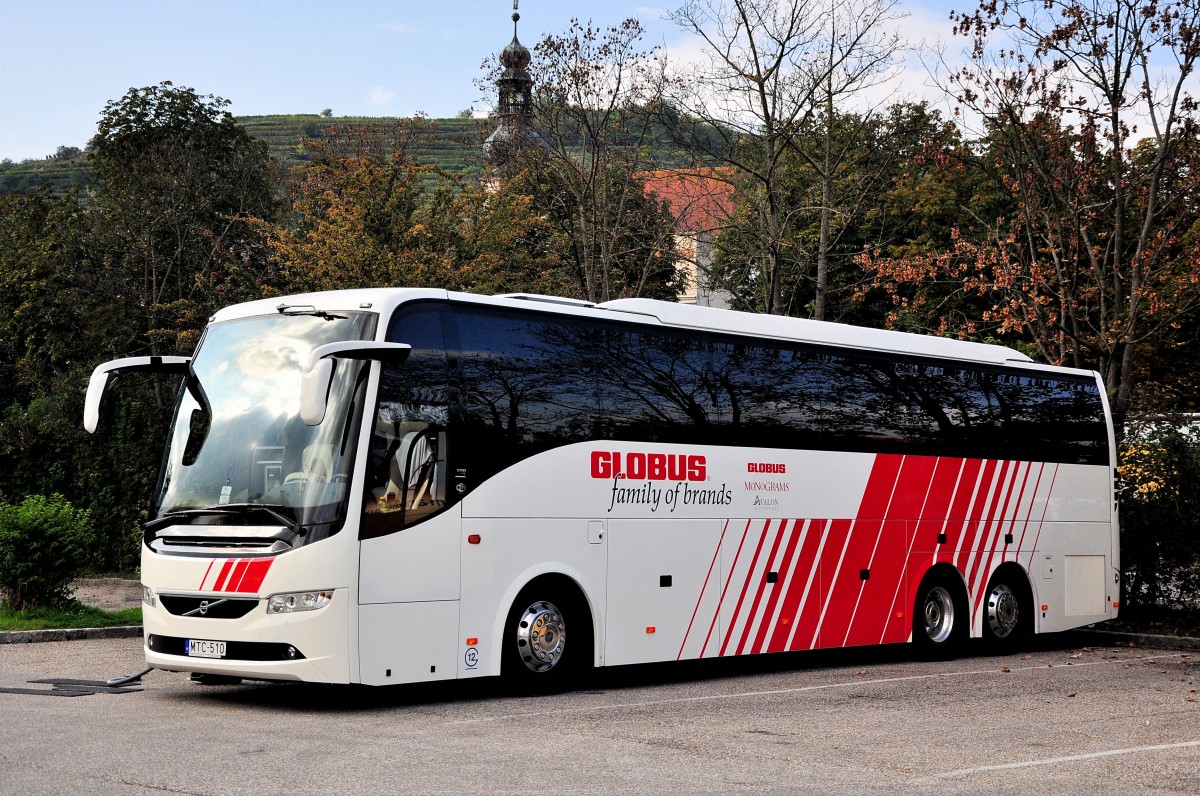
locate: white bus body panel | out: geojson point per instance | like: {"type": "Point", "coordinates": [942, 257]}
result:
{"type": "Point", "coordinates": [324, 636]}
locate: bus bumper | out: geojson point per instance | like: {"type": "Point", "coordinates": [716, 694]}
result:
{"type": "Point", "coordinates": [308, 646]}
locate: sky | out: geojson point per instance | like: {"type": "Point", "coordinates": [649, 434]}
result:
{"type": "Point", "coordinates": [62, 60]}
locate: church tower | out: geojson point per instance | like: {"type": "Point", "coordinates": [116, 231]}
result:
{"type": "Point", "coordinates": [514, 112]}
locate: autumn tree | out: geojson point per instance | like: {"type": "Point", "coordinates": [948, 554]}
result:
{"type": "Point", "coordinates": [1090, 136]}
{"type": "Point", "coordinates": [366, 213]}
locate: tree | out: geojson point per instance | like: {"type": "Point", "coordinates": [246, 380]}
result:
{"type": "Point", "coordinates": [365, 213]}
{"type": "Point", "coordinates": [179, 185]}
{"type": "Point", "coordinates": [1092, 260]}
{"type": "Point", "coordinates": [591, 100]}
{"type": "Point", "coordinates": [773, 74]}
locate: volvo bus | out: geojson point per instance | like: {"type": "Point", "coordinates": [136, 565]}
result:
{"type": "Point", "coordinates": [405, 485]}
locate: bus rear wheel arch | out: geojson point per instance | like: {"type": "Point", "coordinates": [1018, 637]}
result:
{"type": "Point", "coordinates": [547, 642]}
{"type": "Point", "coordinates": [940, 614]}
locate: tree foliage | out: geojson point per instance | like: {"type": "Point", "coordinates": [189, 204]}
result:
{"type": "Point", "coordinates": [1089, 252]}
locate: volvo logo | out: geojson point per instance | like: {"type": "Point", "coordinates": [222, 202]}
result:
{"type": "Point", "coordinates": [202, 610]}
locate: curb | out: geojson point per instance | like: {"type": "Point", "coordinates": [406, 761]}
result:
{"type": "Point", "coordinates": [73, 634]}
{"type": "Point", "coordinates": [1116, 639]}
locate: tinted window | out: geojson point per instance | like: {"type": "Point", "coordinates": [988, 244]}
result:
{"type": "Point", "coordinates": [528, 386]}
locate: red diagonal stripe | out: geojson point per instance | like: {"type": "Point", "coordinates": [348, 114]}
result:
{"type": "Point", "coordinates": [703, 589]}
{"type": "Point", "coordinates": [235, 577]}
{"type": "Point", "coordinates": [979, 503]}
{"type": "Point", "coordinates": [872, 614]}
{"type": "Point", "coordinates": [724, 589]}
{"type": "Point", "coordinates": [255, 573]}
{"type": "Point", "coordinates": [840, 596]}
{"type": "Point", "coordinates": [805, 575]}
{"type": "Point", "coordinates": [753, 614]}
{"type": "Point", "coordinates": [224, 573]}
{"type": "Point", "coordinates": [745, 587]}
{"type": "Point", "coordinates": [785, 569]}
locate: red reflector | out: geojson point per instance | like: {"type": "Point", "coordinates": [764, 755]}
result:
{"type": "Point", "coordinates": [471, 642]}
{"type": "Point", "coordinates": [785, 621]}
{"type": "Point", "coordinates": [474, 539]}
{"type": "Point", "coordinates": [1045, 608]}
{"type": "Point", "coordinates": [651, 629]}
{"type": "Point", "coordinates": [1116, 605]}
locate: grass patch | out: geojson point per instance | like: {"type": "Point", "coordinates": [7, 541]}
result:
{"type": "Point", "coordinates": [72, 615]}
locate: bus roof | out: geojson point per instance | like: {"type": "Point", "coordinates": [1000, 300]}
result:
{"type": "Point", "coordinates": [661, 313]}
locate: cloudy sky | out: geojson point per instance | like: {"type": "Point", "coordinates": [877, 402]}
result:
{"type": "Point", "coordinates": [64, 59]}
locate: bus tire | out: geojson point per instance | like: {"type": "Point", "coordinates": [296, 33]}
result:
{"type": "Point", "coordinates": [1007, 610]}
{"type": "Point", "coordinates": [547, 639]}
{"type": "Point", "coordinates": [940, 616]}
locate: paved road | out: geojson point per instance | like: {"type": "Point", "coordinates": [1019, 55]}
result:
{"type": "Point", "coordinates": [1062, 719]}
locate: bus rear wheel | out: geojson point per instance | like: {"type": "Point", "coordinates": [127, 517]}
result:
{"type": "Point", "coordinates": [1008, 613]}
{"type": "Point", "coordinates": [545, 641]}
{"type": "Point", "coordinates": [939, 617]}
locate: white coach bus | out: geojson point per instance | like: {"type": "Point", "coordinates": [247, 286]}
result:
{"type": "Point", "coordinates": [401, 485]}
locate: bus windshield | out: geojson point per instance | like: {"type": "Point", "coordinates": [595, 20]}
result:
{"type": "Point", "coordinates": [239, 452]}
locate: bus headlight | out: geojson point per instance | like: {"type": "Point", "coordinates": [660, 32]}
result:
{"type": "Point", "coordinates": [293, 602]}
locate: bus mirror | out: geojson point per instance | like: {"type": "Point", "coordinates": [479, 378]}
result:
{"type": "Point", "coordinates": [317, 371]}
{"type": "Point", "coordinates": [104, 374]}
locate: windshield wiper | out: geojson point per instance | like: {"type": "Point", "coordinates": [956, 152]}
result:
{"type": "Point", "coordinates": [231, 508]}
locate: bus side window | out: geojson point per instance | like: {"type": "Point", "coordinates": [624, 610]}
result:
{"type": "Point", "coordinates": [407, 466]}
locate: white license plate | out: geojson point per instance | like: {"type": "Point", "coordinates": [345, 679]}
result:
{"type": "Point", "coordinates": [203, 649]}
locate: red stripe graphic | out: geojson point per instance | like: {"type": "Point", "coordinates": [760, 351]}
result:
{"type": "Point", "coordinates": [753, 615]}
{"type": "Point", "coordinates": [235, 577]}
{"type": "Point", "coordinates": [794, 619]}
{"type": "Point", "coordinates": [884, 565]}
{"type": "Point", "coordinates": [785, 570]}
{"type": "Point", "coordinates": [724, 590]}
{"type": "Point", "coordinates": [845, 582]}
{"type": "Point", "coordinates": [745, 586]}
{"type": "Point", "coordinates": [983, 541]}
{"type": "Point", "coordinates": [924, 538]}
{"type": "Point", "coordinates": [970, 532]}
{"type": "Point", "coordinates": [703, 589]}
{"type": "Point", "coordinates": [840, 596]}
{"type": "Point", "coordinates": [960, 508]}
{"type": "Point", "coordinates": [987, 554]}
{"type": "Point", "coordinates": [255, 573]}
{"type": "Point", "coordinates": [210, 563]}
{"type": "Point", "coordinates": [224, 573]}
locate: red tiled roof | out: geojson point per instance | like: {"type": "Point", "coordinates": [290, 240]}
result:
{"type": "Point", "coordinates": [700, 199]}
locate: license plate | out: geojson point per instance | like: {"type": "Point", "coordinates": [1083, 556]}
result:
{"type": "Point", "coordinates": [198, 648]}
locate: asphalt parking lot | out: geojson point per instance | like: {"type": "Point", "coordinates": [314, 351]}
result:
{"type": "Point", "coordinates": [1063, 718]}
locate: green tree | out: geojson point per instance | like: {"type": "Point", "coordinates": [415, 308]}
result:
{"type": "Point", "coordinates": [179, 185]}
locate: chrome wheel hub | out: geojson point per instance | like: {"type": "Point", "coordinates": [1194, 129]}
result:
{"type": "Point", "coordinates": [541, 636]}
{"type": "Point", "coordinates": [1003, 610]}
{"type": "Point", "coordinates": [939, 615]}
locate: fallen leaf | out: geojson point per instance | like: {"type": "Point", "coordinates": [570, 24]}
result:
{"type": "Point", "coordinates": [1005, 668]}
{"type": "Point", "coordinates": [1070, 693]}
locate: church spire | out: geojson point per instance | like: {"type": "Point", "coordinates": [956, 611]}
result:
{"type": "Point", "coordinates": [514, 112]}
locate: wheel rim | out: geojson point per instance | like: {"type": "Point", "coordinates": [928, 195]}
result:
{"type": "Point", "coordinates": [939, 615]}
{"type": "Point", "coordinates": [1004, 610]}
{"type": "Point", "coordinates": [541, 636]}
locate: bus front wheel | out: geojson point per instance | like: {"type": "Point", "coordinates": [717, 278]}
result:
{"type": "Point", "coordinates": [545, 641]}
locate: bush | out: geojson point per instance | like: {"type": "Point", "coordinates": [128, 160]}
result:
{"type": "Point", "coordinates": [44, 544]}
{"type": "Point", "coordinates": [1160, 517]}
